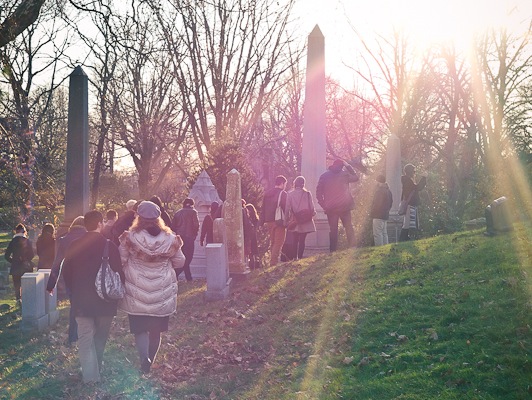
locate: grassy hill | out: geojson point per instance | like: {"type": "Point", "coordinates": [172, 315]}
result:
{"type": "Point", "coordinates": [447, 317]}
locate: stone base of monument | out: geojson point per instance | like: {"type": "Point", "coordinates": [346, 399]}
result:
{"type": "Point", "coordinates": [218, 280]}
{"type": "Point", "coordinates": [34, 315]}
{"type": "Point", "coordinates": [318, 242]}
{"type": "Point", "coordinates": [240, 276]}
{"type": "Point", "coordinates": [395, 223]}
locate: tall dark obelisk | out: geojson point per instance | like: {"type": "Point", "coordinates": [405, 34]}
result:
{"type": "Point", "coordinates": [313, 159]}
{"type": "Point", "coordinates": [77, 162]}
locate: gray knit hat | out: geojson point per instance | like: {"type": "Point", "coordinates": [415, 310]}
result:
{"type": "Point", "coordinates": [148, 210]}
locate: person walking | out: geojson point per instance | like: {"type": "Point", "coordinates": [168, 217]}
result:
{"type": "Point", "coordinates": [150, 253]}
{"type": "Point", "coordinates": [206, 234]}
{"type": "Point", "coordinates": [273, 199]}
{"type": "Point", "coordinates": [410, 193]}
{"type": "Point", "coordinates": [19, 253]}
{"type": "Point", "coordinates": [186, 224]}
{"type": "Point", "coordinates": [125, 220]}
{"type": "Point", "coordinates": [380, 211]}
{"type": "Point", "coordinates": [94, 316]}
{"type": "Point", "coordinates": [334, 196]}
{"type": "Point", "coordinates": [164, 214]}
{"type": "Point", "coordinates": [300, 208]}
{"type": "Point", "coordinates": [111, 217]}
{"type": "Point", "coordinates": [75, 231]}
{"type": "Point", "coordinates": [46, 247]}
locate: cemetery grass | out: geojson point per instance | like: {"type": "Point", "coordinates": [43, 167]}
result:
{"type": "Point", "coordinates": [446, 317]}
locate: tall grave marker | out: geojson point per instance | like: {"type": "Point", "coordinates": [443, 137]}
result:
{"type": "Point", "coordinates": [77, 162]}
{"type": "Point", "coordinates": [313, 159]}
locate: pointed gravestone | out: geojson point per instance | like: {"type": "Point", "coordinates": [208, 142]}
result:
{"type": "Point", "coordinates": [232, 215]}
{"type": "Point", "coordinates": [393, 178]}
{"type": "Point", "coordinates": [203, 193]}
{"type": "Point", "coordinates": [313, 158]}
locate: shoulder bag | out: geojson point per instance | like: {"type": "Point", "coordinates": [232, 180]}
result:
{"type": "Point", "coordinates": [108, 284]}
{"type": "Point", "coordinates": [279, 213]}
{"type": "Point", "coordinates": [306, 214]}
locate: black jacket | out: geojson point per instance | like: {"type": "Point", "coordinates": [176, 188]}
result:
{"type": "Point", "coordinates": [382, 202]}
{"type": "Point", "coordinates": [18, 251]}
{"type": "Point", "coordinates": [333, 193]}
{"type": "Point", "coordinates": [409, 186]}
{"type": "Point", "coordinates": [186, 223]}
{"type": "Point", "coordinates": [269, 204]}
{"type": "Point", "coordinates": [82, 262]}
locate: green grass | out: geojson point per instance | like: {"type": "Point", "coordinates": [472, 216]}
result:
{"type": "Point", "coordinates": [441, 318]}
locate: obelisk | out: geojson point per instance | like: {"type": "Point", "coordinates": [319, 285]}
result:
{"type": "Point", "coordinates": [77, 159]}
{"type": "Point", "coordinates": [313, 158]}
{"type": "Point", "coordinates": [393, 178]}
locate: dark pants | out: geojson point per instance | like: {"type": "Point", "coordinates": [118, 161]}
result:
{"type": "Point", "coordinates": [345, 217]}
{"type": "Point", "coordinates": [299, 244]}
{"type": "Point", "coordinates": [17, 284]}
{"type": "Point", "coordinates": [188, 252]}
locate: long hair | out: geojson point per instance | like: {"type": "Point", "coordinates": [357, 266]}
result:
{"type": "Point", "coordinates": [140, 224]}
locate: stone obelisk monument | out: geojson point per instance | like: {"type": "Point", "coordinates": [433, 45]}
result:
{"type": "Point", "coordinates": [77, 160]}
{"type": "Point", "coordinates": [393, 178]}
{"type": "Point", "coordinates": [313, 160]}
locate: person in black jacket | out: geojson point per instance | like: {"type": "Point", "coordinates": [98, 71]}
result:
{"type": "Point", "coordinates": [75, 231]}
{"type": "Point", "coordinates": [93, 315]}
{"type": "Point", "coordinates": [380, 211]}
{"type": "Point", "coordinates": [334, 196]}
{"type": "Point", "coordinates": [186, 225]}
{"type": "Point", "coordinates": [19, 254]}
{"type": "Point", "coordinates": [46, 247]}
{"type": "Point", "coordinates": [164, 214]}
{"type": "Point", "coordinates": [206, 235]}
{"type": "Point", "coordinates": [125, 220]}
{"type": "Point", "coordinates": [273, 198]}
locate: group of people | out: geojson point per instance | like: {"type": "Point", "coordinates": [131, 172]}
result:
{"type": "Point", "coordinates": [149, 250]}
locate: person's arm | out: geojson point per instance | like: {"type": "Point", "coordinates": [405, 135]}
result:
{"type": "Point", "coordinates": [55, 271]}
{"type": "Point", "coordinates": [319, 191]}
{"type": "Point", "coordinates": [9, 252]}
{"type": "Point", "coordinates": [352, 176]}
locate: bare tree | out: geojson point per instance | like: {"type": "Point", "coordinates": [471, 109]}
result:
{"type": "Point", "coordinates": [19, 15]}
{"type": "Point", "coordinates": [229, 57]}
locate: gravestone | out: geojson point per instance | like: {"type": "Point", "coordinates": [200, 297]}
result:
{"type": "Point", "coordinates": [313, 157]}
{"type": "Point", "coordinates": [234, 228]}
{"type": "Point", "coordinates": [50, 301]}
{"type": "Point", "coordinates": [34, 315]}
{"type": "Point", "coordinates": [393, 178]}
{"type": "Point", "coordinates": [203, 193]}
{"type": "Point", "coordinates": [218, 280]}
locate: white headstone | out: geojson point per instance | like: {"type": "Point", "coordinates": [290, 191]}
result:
{"type": "Point", "coordinates": [218, 280]}
{"type": "Point", "coordinates": [203, 193]}
{"type": "Point", "coordinates": [33, 304]}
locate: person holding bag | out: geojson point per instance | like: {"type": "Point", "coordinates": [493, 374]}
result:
{"type": "Point", "coordinates": [150, 253]}
{"type": "Point", "coordinates": [19, 253]}
{"type": "Point", "coordinates": [300, 208]}
{"type": "Point", "coordinates": [410, 195]}
{"type": "Point", "coordinates": [273, 214]}
{"type": "Point", "coordinates": [94, 316]}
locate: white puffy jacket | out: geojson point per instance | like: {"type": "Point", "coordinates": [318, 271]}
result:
{"type": "Point", "coordinates": [149, 262]}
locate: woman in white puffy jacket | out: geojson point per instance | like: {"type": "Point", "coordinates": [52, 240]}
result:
{"type": "Point", "coordinates": [150, 252]}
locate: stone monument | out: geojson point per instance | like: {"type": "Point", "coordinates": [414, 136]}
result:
{"type": "Point", "coordinates": [77, 159]}
{"type": "Point", "coordinates": [232, 215]}
{"type": "Point", "coordinates": [313, 159]}
{"type": "Point", "coordinates": [34, 315]}
{"type": "Point", "coordinates": [393, 178]}
{"type": "Point", "coordinates": [203, 193]}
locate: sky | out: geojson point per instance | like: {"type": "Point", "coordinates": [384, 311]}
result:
{"type": "Point", "coordinates": [428, 21]}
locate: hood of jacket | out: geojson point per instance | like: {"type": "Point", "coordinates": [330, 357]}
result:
{"type": "Point", "coordinates": [151, 248]}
